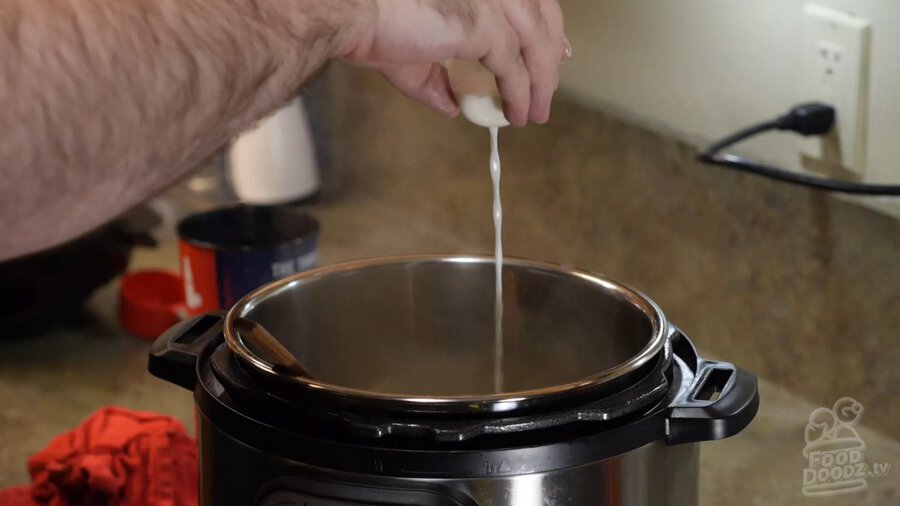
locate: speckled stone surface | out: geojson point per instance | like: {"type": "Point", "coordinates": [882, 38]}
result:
{"type": "Point", "coordinates": [801, 288]}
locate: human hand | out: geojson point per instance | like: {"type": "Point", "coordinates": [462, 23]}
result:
{"type": "Point", "coordinates": [520, 41]}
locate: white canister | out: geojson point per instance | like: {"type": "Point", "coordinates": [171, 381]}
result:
{"type": "Point", "coordinates": [275, 162]}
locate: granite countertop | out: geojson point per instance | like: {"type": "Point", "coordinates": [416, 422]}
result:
{"type": "Point", "coordinates": [49, 383]}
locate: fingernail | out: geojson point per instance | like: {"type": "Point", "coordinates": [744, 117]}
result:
{"type": "Point", "coordinates": [449, 109]}
{"type": "Point", "coordinates": [447, 105]}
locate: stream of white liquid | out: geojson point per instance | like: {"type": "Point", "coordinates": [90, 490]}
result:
{"type": "Point", "coordinates": [498, 264]}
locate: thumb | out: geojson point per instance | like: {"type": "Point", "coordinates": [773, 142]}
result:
{"type": "Point", "coordinates": [428, 84]}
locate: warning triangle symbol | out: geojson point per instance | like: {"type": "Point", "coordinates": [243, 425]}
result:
{"type": "Point", "coordinates": [504, 467]}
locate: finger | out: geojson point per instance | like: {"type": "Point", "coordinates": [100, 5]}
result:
{"type": "Point", "coordinates": [541, 45]}
{"type": "Point", "coordinates": [515, 89]}
{"type": "Point", "coordinates": [505, 60]}
{"type": "Point", "coordinates": [554, 19]}
{"type": "Point", "coordinates": [427, 84]}
{"type": "Point", "coordinates": [543, 69]}
{"type": "Point", "coordinates": [552, 15]}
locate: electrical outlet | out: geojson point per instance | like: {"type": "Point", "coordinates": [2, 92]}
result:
{"type": "Point", "coordinates": [836, 71]}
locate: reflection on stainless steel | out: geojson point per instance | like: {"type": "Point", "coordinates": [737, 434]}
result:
{"type": "Point", "coordinates": [653, 475]}
{"type": "Point", "coordinates": [420, 329]}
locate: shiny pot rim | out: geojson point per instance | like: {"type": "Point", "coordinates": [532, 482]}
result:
{"type": "Point", "coordinates": [502, 402]}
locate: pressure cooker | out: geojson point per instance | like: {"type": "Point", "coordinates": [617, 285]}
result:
{"type": "Point", "coordinates": [603, 402]}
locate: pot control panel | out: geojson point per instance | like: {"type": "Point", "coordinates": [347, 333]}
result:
{"type": "Point", "coordinates": [296, 499]}
{"type": "Point", "coordinates": [389, 498]}
{"type": "Point", "coordinates": [289, 491]}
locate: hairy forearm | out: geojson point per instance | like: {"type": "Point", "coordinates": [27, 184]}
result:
{"type": "Point", "coordinates": [103, 102]}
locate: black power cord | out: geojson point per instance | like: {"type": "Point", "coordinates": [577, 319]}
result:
{"type": "Point", "coordinates": [806, 119]}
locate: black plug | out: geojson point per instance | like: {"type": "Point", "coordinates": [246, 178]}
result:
{"type": "Point", "coordinates": [813, 118]}
{"type": "Point", "coordinates": [807, 119]}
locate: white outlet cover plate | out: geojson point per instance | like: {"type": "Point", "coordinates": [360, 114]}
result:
{"type": "Point", "coordinates": [836, 71]}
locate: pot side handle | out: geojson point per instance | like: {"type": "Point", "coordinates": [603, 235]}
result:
{"type": "Point", "coordinates": [721, 401]}
{"type": "Point", "coordinates": [174, 355]}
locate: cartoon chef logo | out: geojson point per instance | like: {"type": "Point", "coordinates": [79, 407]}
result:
{"type": "Point", "coordinates": [834, 450]}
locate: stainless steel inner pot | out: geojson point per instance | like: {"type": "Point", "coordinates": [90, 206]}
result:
{"type": "Point", "coordinates": [420, 329]}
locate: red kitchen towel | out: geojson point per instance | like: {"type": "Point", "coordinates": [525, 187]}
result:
{"type": "Point", "coordinates": [117, 457]}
